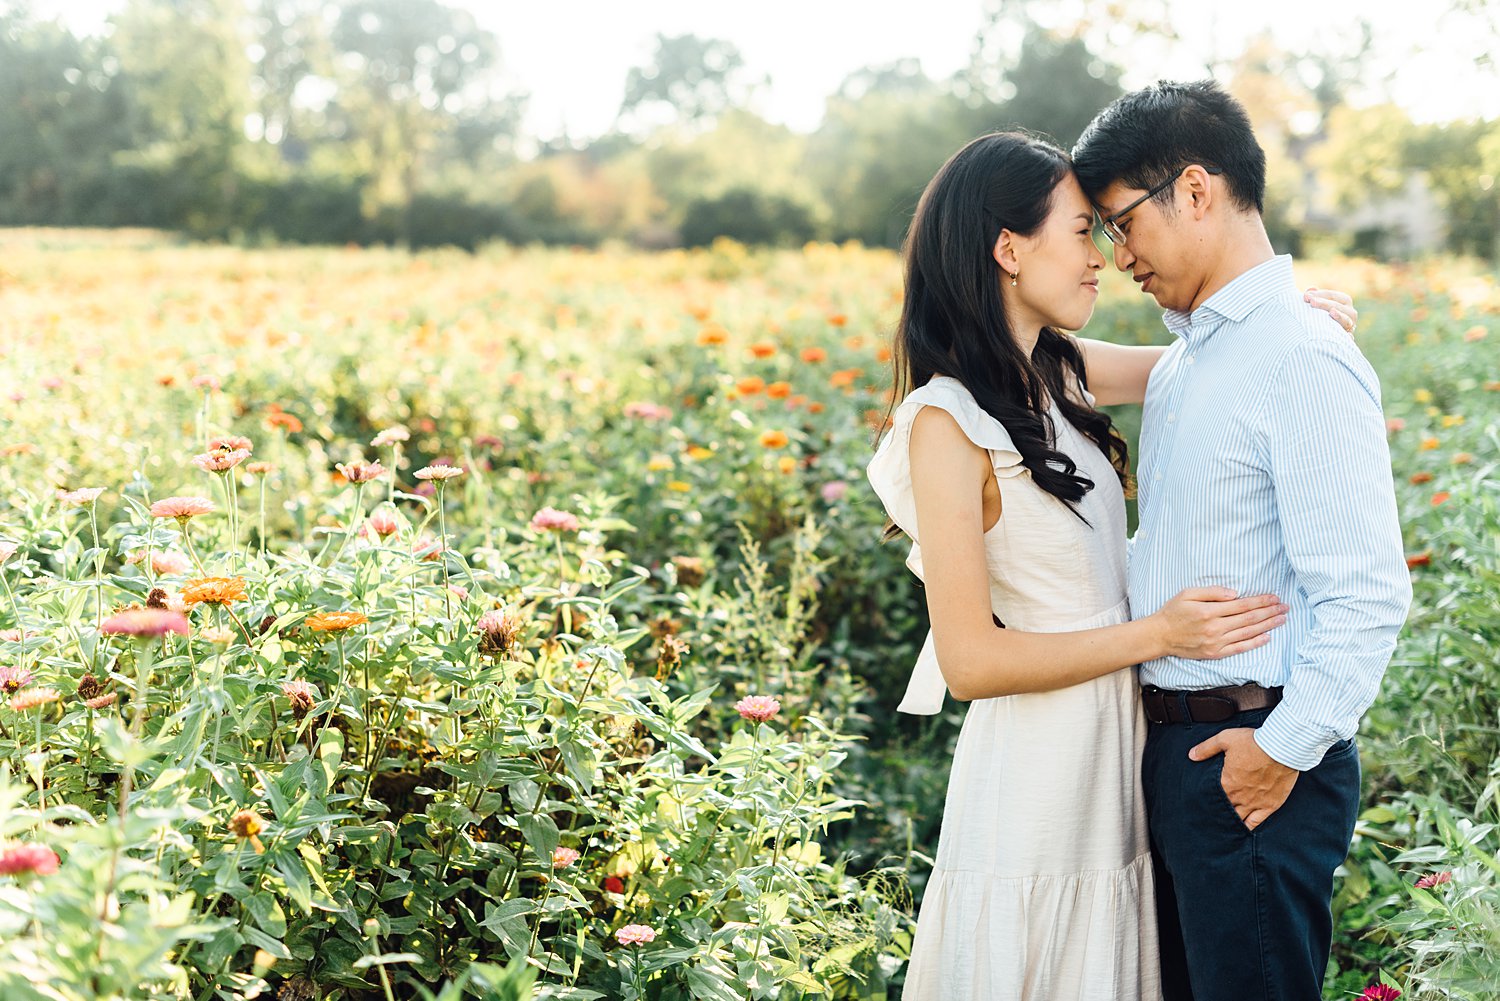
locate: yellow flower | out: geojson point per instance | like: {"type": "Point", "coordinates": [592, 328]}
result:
{"type": "Point", "coordinates": [213, 590]}
{"type": "Point", "coordinates": [774, 439]}
{"type": "Point", "coordinates": [659, 463]}
{"type": "Point", "coordinates": [679, 486]}
{"type": "Point", "coordinates": [698, 453]}
{"type": "Point", "coordinates": [787, 464]}
{"type": "Point", "coordinates": [1422, 396]}
{"type": "Point", "coordinates": [335, 622]}
{"type": "Point", "coordinates": [1452, 420]}
{"type": "Point", "coordinates": [1429, 444]}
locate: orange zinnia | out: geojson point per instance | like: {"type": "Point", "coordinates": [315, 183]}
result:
{"type": "Point", "coordinates": [335, 622]}
{"type": "Point", "coordinates": [213, 590]}
{"type": "Point", "coordinates": [750, 385]}
{"type": "Point", "coordinates": [763, 349]}
{"type": "Point", "coordinates": [814, 354]}
{"type": "Point", "coordinates": [713, 334]}
{"type": "Point", "coordinates": [779, 390]}
{"type": "Point", "coordinates": [844, 378]}
{"type": "Point", "coordinates": [837, 319]}
{"type": "Point", "coordinates": [1421, 476]}
{"type": "Point", "coordinates": [774, 439]}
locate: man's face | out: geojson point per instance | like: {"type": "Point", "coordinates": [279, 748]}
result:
{"type": "Point", "coordinates": [1159, 245]}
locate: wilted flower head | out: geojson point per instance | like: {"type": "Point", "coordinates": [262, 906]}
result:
{"type": "Point", "coordinates": [438, 472]}
{"type": "Point", "coordinates": [246, 824]}
{"type": "Point", "coordinates": [81, 497]}
{"type": "Point", "coordinates": [361, 472]}
{"type": "Point", "coordinates": [498, 630]}
{"type": "Point", "coordinates": [562, 857]}
{"type": "Point", "coordinates": [230, 443]}
{"type": "Point", "coordinates": [635, 935]}
{"type": "Point", "coordinates": [213, 590]}
{"type": "Point", "coordinates": [302, 695]}
{"type": "Point", "coordinates": [182, 508]}
{"type": "Point", "coordinates": [549, 519]}
{"type": "Point", "coordinates": [89, 686]}
{"type": "Point", "coordinates": [24, 859]}
{"type": "Point", "coordinates": [690, 570]}
{"type": "Point", "coordinates": [335, 622]}
{"type": "Point", "coordinates": [30, 698]}
{"type": "Point", "coordinates": [391, 436]}
{"type": "Point", "coordinates": [145, 622]}
{"type": "Point", "coordinates": [13, 679]}
{"type": "Point", "coordinates": [758, 708]}
{"type": "Point", "coordinates": [672, 652]}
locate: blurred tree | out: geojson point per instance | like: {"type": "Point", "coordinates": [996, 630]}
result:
{"type": "Point", "coordinates": [690, 81]}
{"type": "Point", "coordinates": [421, 74]}
{"type": "Point", "coordinates": [186, 65]}
{"type": "Point", "coordinates": [1365, 154]}
{"type": "Point", "coordinates": [1056, 88]}
{"type": "Point", "coordinates": [884, 134]}
{"type": "Point", "coordinates": [749, 216]}
{"type": "Point", "coordinates": [1462, 161]}
{"type": "Point", "coordinates": [291, 81]}
{"type": "Point", "coordinates": [63, 115]}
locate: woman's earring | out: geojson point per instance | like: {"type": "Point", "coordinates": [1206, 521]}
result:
{"type": "Point", "coordinates": [1013, 276]}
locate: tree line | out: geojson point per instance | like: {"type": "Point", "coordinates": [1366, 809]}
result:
{"type": "Point", "coordinates": [389, 121]}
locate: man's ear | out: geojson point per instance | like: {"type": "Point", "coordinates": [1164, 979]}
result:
{"type": "Point", "coordinates": [1199, 189]}
{"type": "Point", "coordinates": [1005, 252]}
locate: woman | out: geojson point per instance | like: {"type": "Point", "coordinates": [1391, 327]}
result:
{"type": "Point", "coordinates": [1014, 484]}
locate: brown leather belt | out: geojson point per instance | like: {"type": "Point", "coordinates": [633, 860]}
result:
{"type": "Point", "coordinates": [1206, 705]}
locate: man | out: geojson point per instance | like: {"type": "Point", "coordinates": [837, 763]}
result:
{"type": "Point", "coordinates": [1263, 467]}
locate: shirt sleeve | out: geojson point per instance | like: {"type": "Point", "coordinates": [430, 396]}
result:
{"type": "Point", "coordinates": [1331, 472]}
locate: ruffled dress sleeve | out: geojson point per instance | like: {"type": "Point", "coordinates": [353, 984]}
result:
{"type": "Point", "coordinates": [889, 473]}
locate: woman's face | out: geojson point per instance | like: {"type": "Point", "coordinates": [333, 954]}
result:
{"type": "Point", "coordinates": [1057, 266]}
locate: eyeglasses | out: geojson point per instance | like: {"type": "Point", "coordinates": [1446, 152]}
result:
{"type": "Point", "coordinates": [1111, 223]}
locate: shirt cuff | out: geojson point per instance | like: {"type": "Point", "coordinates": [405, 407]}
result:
{"type": "Point", "coordinates": [1293, 743]}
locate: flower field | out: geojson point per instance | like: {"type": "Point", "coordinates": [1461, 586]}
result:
{"type": "Point", "coordinates": [377, 625]}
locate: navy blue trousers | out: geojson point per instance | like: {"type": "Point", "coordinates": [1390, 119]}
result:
{"type": "Point", "coordinates": [1244, 915]}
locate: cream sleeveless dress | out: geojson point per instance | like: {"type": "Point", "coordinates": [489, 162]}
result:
{"type": "Point", "coordinates": [1042, 888]}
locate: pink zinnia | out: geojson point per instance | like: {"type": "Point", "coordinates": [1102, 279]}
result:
{"type": "Point", "coordinates": [230, 443]}
{"type": "Point", "coordinates": [101, 701]}
{"type": "Point", "coordinates": [647, 411]}
{"type": "Point", "coordinates": [13, 635]}
{"type": "Point", "coordinates": [13, 679]}
{"type": "Point", "coordinates": [384, 522]}
{"type": "Point", "coordinates": [7, 550]}
{"type": "Point", "coordinates": [361, 472]}
{"type": "Point", "coordinates": [30, 698]}
{"type": "Point", "coordinates": [834, 490]}
{"type": "Point", "coordinates": [182, 508]}
{"type": "Point", "coordinates": [549, 519]}
{"type": "Point", "coordinates": [18, 860]}
{"type": "Point", "coordinates": [1380, 992]}
{"type": "Point", "coordinates": [438, 472]}
{"type": "Point", "coordinates": [635, 935]}
{"type": "Point", "coordinates": [562, 857]}
{"type": "Point", "coordinates": [145, 622]}
{"type": "Point", "coordinates": [208, 382]}
{"type": "Point", "coordinates": [428, 547]}
{"type": "Point", "coordinates": [220, 462]}
{"type": "Point", "coordinates": [758, 708]}
{"type": "Point", "coordinates": [82, 497]}
{"type": "Point", "coordinates": [1434, 879]}
{"type": "Point", "coordinates": [162, 564]}
{"type": "Point", "coordinates": [391, 436]}
{"type": "Point", "coordinates": [459, 591]}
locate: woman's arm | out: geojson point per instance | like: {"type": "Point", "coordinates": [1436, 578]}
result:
{"type": "Point", "coordinates": [980, 660]}
{"type": "Point", "coordinates": [1118, 373]}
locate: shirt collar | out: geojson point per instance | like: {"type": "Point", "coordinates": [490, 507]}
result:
{"type": "Point", "coordinates": [1234, 301]}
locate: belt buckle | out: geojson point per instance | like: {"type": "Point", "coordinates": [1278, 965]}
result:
{"type": "Point", "coordinates": [1154, 703]}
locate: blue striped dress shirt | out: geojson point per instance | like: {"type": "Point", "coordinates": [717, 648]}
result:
{"type": "Point", "coordinates": [1264, 468]}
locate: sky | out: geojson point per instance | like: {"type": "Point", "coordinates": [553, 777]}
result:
{"type": "Point", "coordinates": [572, 56]}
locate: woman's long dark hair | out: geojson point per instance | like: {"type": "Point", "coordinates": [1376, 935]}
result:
{"type": "Point", "coordinates": [953, 321]}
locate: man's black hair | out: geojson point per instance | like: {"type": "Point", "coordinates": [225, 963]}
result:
{"type": "Point", "coordinates": [1148, 135]}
